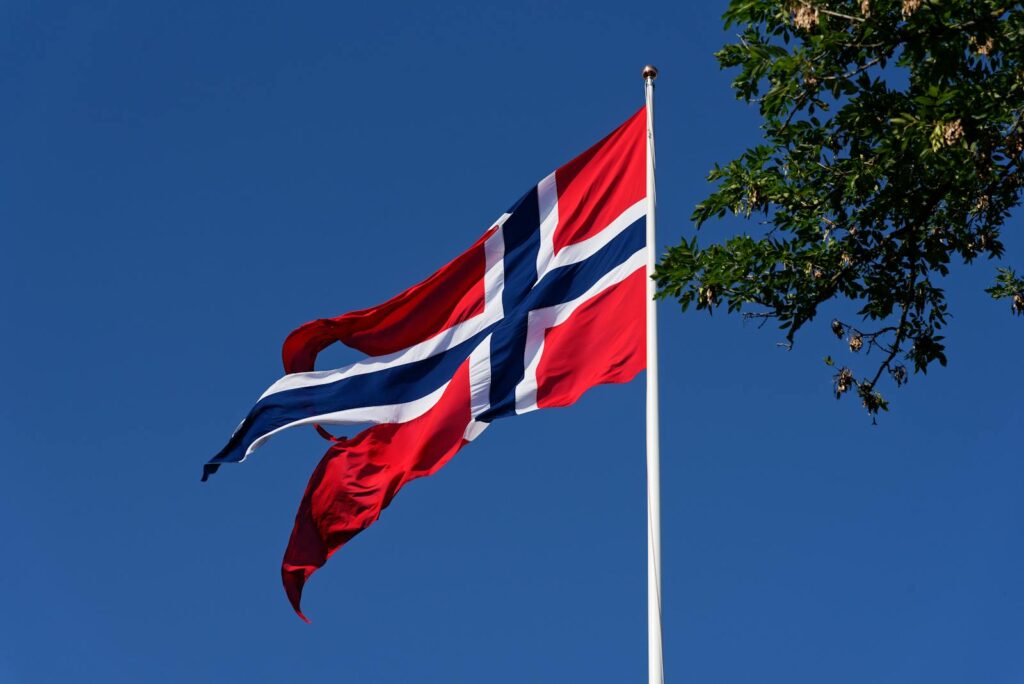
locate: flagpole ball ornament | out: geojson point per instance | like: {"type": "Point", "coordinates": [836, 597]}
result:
{"type": "Point", "coordinates": [650, 72]}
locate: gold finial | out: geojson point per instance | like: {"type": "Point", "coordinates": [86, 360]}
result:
{"type": "Point", "coordinates": [650, 72]}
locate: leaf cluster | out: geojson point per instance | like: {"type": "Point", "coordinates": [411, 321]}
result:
{"type": "Point", "coordinates": [892, 144]}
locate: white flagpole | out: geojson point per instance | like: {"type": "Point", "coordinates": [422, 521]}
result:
{"type": "Point", "coordinates": [655, 659]}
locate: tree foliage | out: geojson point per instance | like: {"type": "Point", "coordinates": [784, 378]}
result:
{"type": "Point", "coordinates": [892, 143]}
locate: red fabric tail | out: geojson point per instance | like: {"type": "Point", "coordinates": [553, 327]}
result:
{"type": "Point", "coordinates": [358, 477]}
{"type": "Point", "coordinates": [455, 293]}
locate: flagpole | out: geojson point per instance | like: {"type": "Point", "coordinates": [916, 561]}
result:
{"type": "Point", "coordinates": [655, 659]}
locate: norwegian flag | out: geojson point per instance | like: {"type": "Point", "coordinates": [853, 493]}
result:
{"type": "Point", "coordinates": [548, 303]}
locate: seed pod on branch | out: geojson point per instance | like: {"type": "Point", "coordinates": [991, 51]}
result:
{"type": "Point", "coordinates": [843, 381]}
{"type": "Point", "coordinates": [909, 7]}
{"type": "Point", "coordinates": [805, 17]}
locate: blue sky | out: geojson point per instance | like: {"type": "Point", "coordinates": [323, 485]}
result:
{"type": "Point", "coordinates": [181, 184]}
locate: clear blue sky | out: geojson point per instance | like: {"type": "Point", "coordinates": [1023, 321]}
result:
{"type": "Point", "coordinates": [181, 184]}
